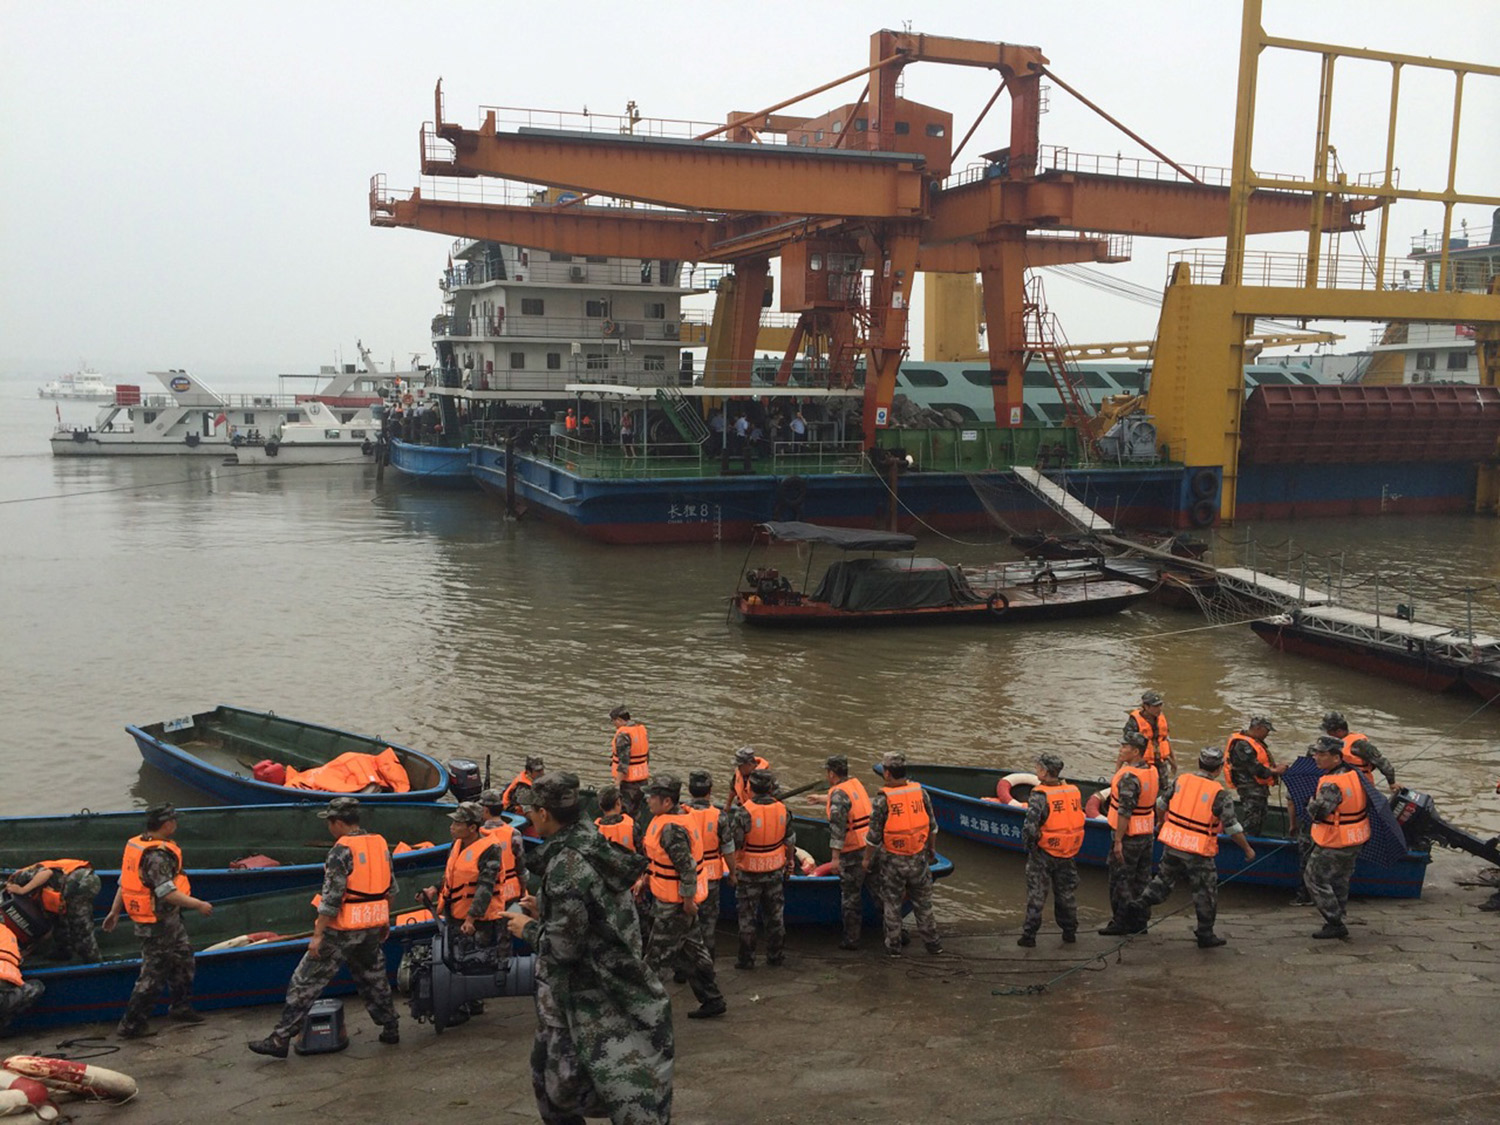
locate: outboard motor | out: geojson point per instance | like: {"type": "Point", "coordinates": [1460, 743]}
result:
{"type": "Point", "coordinates": [464, 781]}
{"type": "Point", "coordinates": [1417, 815]}
{"type": "Point", "coordinates": [25, 918]}
{"type": "Point", "coordinates": [457, 971]}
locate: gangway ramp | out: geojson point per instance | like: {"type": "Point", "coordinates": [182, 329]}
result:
{"type": "Point", "coordinates": [1268, 588]}
{"type": "Point", "coordinates": [1060, 500]}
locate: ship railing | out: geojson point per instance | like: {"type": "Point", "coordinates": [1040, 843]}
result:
{"type": "Point", "coordinates": [525, 117]}
{"type": "Point", "coordinates": [1061, 158]}
{"type": "Point", "coordinates": [495, 190]}
{"type": "Point", "coordinates": [1288, 269]}
{"type": "Point", "coordinates": [789, 458]}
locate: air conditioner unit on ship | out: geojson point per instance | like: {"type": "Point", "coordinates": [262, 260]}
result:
{"type": "Point", "coordinates": [669, 330]}
{"type": "Point", "coordinates": [575, 273]}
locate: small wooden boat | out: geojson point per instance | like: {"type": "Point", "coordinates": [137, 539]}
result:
{"type": "Point", "coordinates": [214, 838]}
{"type": "Point", "coordinates": [914, 591]}
{"type": "Point", "coordinates": [225, 978]}
{"type": "Point", "coordinates": [959, 793]}
{"type": "Point", "coordinates": [815, 900]}
{"type": "Point", "coordinates": [216, 750]}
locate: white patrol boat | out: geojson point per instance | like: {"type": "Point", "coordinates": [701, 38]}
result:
{"type": "Point", "coordinates": [83, 385]}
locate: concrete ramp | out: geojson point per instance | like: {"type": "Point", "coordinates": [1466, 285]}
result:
{"type": "Point", "coordinates": [1060, 500]}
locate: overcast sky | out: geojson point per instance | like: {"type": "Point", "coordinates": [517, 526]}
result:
{"type": "Point", "coordinates": [186, 183]}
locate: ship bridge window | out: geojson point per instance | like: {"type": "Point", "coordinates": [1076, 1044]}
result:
{"type": "Point", "coordinates": [958, 408]}
{"type": "Point", "coordinates": [923, 377]}
{"type": "Point", "coordinates": [1458, 361]}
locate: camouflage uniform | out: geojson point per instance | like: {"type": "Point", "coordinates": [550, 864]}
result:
{"type": "Point", "coordinates": [676, 941]}
{"type": "Point", "coordinates": [73, 932]}
{"type": "Point", "coordinates": [1128, 877]}
{"type": "Point", "coordinates": [166, 951]}
{"type": "Point", "coordinates": [361, 950]}
{"type": "Point", "coordinates": [17, 999]}
{"type": "Point", "coordinates": [604, 1042]}
{"type": "Point", "coordinates": [903, 876]}
{"type": "Point", "coordinates": [1367, 751]}
{"type": "Point", "coordinates": [632, 793]}
{"type": "Point", "coordinates": [763, 891]}
{"type": "Point", "coordinates": [708, 909]}
{"type": "Point", "coordinates": [1246, 773]}
{"type": "Point", "coordinates": [484, 890]}
{"type": "Point", "coordinates": [1329, 869]}
{"type": "Point", "coordinates": [1044, 870]}
{"type": "Point", "coordinates": [851, 866]}
{"type": "Point", "coordinates": [1200, 871]}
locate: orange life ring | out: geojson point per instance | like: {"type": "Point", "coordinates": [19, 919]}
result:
{"type": "Point", "coordinates": [406, 400]}
{"type": "Point", "coordinates": [1005, 784]}
{"type": "Point", "coordinates": [1091, 807]}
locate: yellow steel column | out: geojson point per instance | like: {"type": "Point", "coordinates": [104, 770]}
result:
{"type": "Point", "coordinates": [950, 316]}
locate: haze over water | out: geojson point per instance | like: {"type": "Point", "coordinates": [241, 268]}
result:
{"type": "Point", "coordinates": [141, 589]}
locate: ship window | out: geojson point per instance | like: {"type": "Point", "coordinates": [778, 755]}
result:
{"type": "Point", "coordinates": [1092, 379]}
{"type": "Point", "coordinates": [656, 310]}
{"type": "Point", "coordinates": [331, 435]}
{"type": "Point", "coordinates": [980, 378]}
{"type": "Point", "coordinates": [1273, 379]}
{"type": "Point", "coordinates": [861, 124]}
{"type": "Point", "coordinates": [597, 259]}
{"type": "Point", "coordinates": [936, 130]}
{"type": "Point", "coordinates": [294, 415]}
{"type": "Point", "coordinates": [1037, 379]}
{"type": "Point", "coordinates": [1458, 361]}
{"type": "Point", "coordinates": [149, 416]}
{"type": "Point", "coordinates": [958, 408]}
{"type": "Point", "coordinates": [248, 417]}
{"type": "Point", "coordinates": [517, 361]}
{"type": "Point", "coordinates": [556, 257]}
{"type": "Point", "coordinates": [1053, 411]}
{"type": "Point", "coordinates": [554, 361]}
{"type": "Point", "coordinates": [655, 363]}
{"type": "Point", "coordinates": [596, 309]}
{"type": "Point", "coordinates": [596, 361]}
{"type": "Point", "coordinates": [838, 126]}
{"type": "Point", "coordinates": [818, 136]}
{"type": "Point", "coordinates": [357, 434]}
{"type": "Point", "coordinates": [815, 261]}
{"type": "Point", "coordinates": [532, 306]}
{"type": "Point", "coordinates": [1427, 361]}
{"type": "Point", "coordinates": [903, 128]}
{"type": "Point", "coordinates": [923, 377]}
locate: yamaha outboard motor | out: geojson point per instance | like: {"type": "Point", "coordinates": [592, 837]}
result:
{"type": "Point", "coordinates": [458, 971]}
{"type": "Point", "coordinates": [25, 917]}
{"type": "Point", "coordinates": [1417, 815]}
{"type": "Point", "coordinates": [463, 779]}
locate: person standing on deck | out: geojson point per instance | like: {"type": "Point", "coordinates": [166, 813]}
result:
{"type": "Point", "coordinates": [766, 854]}
{"type": "Point", "coordinates": [1339, 816]}
{"type": "Point", "coordinates": [848, 812]}
{"type": "Point", "coordinates": [153, 891]}
{"type": "Point", "coordinates": [1251, 771]}
{"type": "Point", "coordinates": [1052, 834]}
{"type": "Point", "coordinates": [1132, 821]}
{"type": "Point", "coordinates": [903, 835]}
{"type": "Point", "coordinates": [629, 759]}
{"type": "Point", "coordinates": [627, 435]}
{"type": "Point", "coordinates": [719, 856]}
{"type": "Point", "coordinates": [1198, 808]}
{"type": "Point", "coordinates": [65, 889]}
{"type": "Point", "coordinates": [1358, 751]}
{"type": "Point", "coordinates": [1149, 720]}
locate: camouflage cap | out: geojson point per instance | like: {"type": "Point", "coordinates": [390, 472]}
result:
{"type": "Point", "coordinates": [491, 798]}
{"type": "Point", "coordinates": [1259, 721]}
{"type": "Point", "coordinates": [534, 762]}
{"type": "Point", "coordinates": [1134, 738]}
{"type": "Point", "coordinates": [1050, 762]}
{"type": "Point", "coordinates": [893, 758]}
{"type": "Point", "coordinates": [157, 815]}
{"type": "Point", "coordinates": [762, 781]}
{"type": "Point", "coordinates": [339, 807]}
{"type": "Point", "coordinates": [1152, 698]}
{"type": "Point", "coordinates": [1334, 720]}
{"type": "Point", "coordinates": [1210, 757]}
{"type": "Point", "coordinates": [555, 791]}
{"type": "Point", "coordinates": [838, 763]}
{"type": "Point", "coordinates": [1326, 745]}
{"type": "Point", "coordinates": [469, 812]}
{"type": "Point", "coordinates": [664, 785]}
{"type": "Point", "coordinates": [745, 756]}
{"type": "Point", "coordinates": [700, 777]}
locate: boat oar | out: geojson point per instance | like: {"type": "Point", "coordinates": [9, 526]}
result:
{"type": "Point", "coordinates": [799, 790]}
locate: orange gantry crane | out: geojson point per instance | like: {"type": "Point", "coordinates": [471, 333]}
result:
{"type": "Point", "coordinates": [865, 190]}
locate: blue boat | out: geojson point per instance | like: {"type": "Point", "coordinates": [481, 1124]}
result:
{"type": "Point", "coordinates": [225, 978]}
{"type": "Point", "coordinates": [959, 802]}
{"type": "Point", "coordinates": [441, 465]}
{"type": "Point", "coordinates": [213, 838]}
{"type": "Point", "coordinates": [815, 900]}
{"type": "Point", "coordinates": [215, 751]}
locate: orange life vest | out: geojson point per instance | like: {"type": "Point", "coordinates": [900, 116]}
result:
{"type": "Point", "coordinates": [1351, 758]}
{"type": "Point", "coordinates": [664, 879]}
{"type": "Point", "coordinates": [1191, 825]}
{"type": "Point", "coordinates": [638, 767]}
{"type": "Point", "coordinates": [1350, 824]}
{"type": "Point", "coordinates": [1262, 755]}
{"type": "Point", "coordinates": [461, 880]}
{"type": "Point", "coordinates": [765, 840]}
{"type": "Point", "coordinates": [859, 812]}
{"type": "Point", "coordinates": [621, 832]}
{"type": "Point", "coordinates": [1158, 745]}
{"type": "Point", "coordinates": [512, 882]}
{"type": "Point", "coordinates": [366, 903]}
{"type": "Point", "coordinates": [52, 901]}
{"type": "Point", "coordinates": [714, 864]}
{"type": "Point", "coordinates": [741, 781]}
{"type": "Point", "coordinates": [1143, 819]}
{"type": "Point", "coordinates": [906, 822]}
{"type": "Point", "coordinates": [351, 772]}
{"type": "Point", "coordinates": [139, 899]}
{"type": "Point", "coordinates": [570, 423]}
{"type": "Point", "coordinates": [522, 778]}
{"type": "Point", "coordinates": [1062, 831]}
{"type": "Point", "coordinates": [10, 957]}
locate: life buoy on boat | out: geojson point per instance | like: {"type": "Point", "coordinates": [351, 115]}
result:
{"type": "Point", "coordinates": [1202, 513]}
{"type": "Point", "coordinates": [998, 603]}
{"type": "Point", "coordinates": [273, 447]}
{"type": "Point", "coordinates": [791, 491]}
{"type": "Point", "coordinates": [26, 1093]}
{"type": "Point", "coordinates": [1091, 807]}
{"type": "Point", "coordinates": [1004, 787]}
{"type": "Point", "coordinates": [1204, 484]}
{"type": "Point", "coordinates": [77, 1077]}
{"type": "Point", "coordinates": [1045, 581]}
{"type": "Point", "coordinates": [406, 400]}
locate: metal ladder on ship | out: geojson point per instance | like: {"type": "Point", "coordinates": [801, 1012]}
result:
{"type": "Point", "coordinates": [685, 419]}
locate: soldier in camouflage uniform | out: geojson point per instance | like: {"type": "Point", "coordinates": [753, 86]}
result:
{"type": "Point", "coordinates": [1130, 853]}
{"type": "Point", "coordinates": [846, 842]}
{"type": "Point", "coordinates": [1252, 778]}
{"type": "Point", "coordinates": [603, 1044]}
{"type": "Point", "coordinates": [700, 800]}
{"type": "Point", "coordinates": [1197, 868]}
{"type": "Point", "coordinates": [676, 941]}
{"type": "Point", "coordinates": [16, 993]}
{"type": "Point", "coordinates": [361, 949]}
{"type": "Point", "coordinates": [1366, 753]}
{"type": "Point", "coordinates": [905, 872]}
{"type": "Point", "coordinates": [761, 870]}
{"type": "Point", "coordinates": [166, 951]}
{"type": "Point", "coordinates": [72, 893]}
{"type": "Point", "coordinates": [469, 821]}
{"type": "Point", "coordinates": [1330, 867]}
{"type": "Point", "coordinates": [1044, 869]}
{"type": "Point", "coordinates": [1301, 828]}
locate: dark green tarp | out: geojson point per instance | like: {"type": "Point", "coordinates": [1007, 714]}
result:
{"type": "Point", "coordinates": [912, 583]}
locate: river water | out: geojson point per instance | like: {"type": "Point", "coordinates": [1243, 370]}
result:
{"type": "Point", "coordinates": [137, 590]}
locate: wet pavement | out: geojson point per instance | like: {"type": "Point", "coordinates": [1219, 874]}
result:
{"type": "Point", "coordinates": [1395, 1024]}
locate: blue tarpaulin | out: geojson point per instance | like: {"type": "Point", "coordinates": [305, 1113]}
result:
{"type": "Point", "coordinates": [1387, 843]}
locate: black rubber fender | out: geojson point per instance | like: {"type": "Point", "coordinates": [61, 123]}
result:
{"type": "Point", "coordinates": [1205, 484]}
{"type": "Point", "coordinates": [273, 447]}
{"type": "Point", "coordinates": [997, 604]}
{"type": "Point", "coordinates": [791, 491]}
{"type": "Point", "coordinates": [1203, 513]}
{"type": "Point", "coordinates": [367, 448]}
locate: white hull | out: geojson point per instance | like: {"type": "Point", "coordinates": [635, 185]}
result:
{"type": "Point", "coordinates": [287, 452]}
{"type": "Point", "coordinates": [106, 395]}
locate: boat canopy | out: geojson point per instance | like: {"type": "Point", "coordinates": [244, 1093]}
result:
{"type": "Point", "coordinates": [868, 585]}
{"type": "Point", "coordinates": [844, 538]}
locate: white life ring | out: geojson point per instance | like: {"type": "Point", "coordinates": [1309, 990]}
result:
{"type": "Point", "coordinates": [23, 1094]}
{"type": "Point", "coordinates": [76, 1077]}
{"type": "Point", "coordinates": [1009, 782]}
{"type": "Point", "coordinates": [406, 400]}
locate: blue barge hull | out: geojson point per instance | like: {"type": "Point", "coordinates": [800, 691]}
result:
{"type": "Point", "coordinates": [439, 465]}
